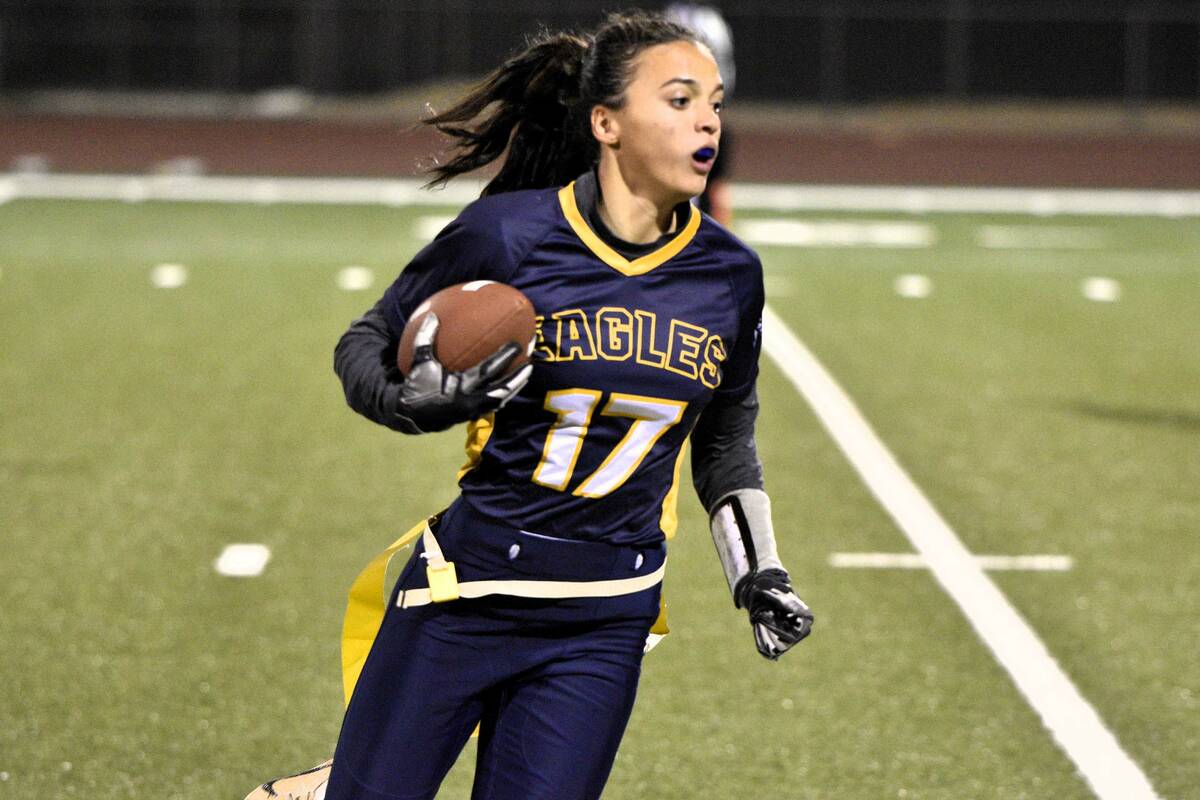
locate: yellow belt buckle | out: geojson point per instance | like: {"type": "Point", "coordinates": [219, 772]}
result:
{"type": "Point", "coordinates": [443, 581]}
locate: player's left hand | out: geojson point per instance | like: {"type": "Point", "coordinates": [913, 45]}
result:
{"type": "Point", "coordinates": [779, 617]}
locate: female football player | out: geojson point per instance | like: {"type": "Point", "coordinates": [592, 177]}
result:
{"type": "Point", "coordinates": [527, 604]}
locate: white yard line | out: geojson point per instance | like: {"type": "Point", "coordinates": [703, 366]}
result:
{"type": "Point", "coordinates": [169, 276]}
{"type": "Point", "coordinates": [1032, 563]}
{"type": "Point", "coordinates": [913, 287]}
{"type": "Point", "coordinates": [1070, 719]}
{"type": "Point", "coordinates": [980, 200]}
{"type": "Point", "coordinates": [354, 278]}
{"type": "Point", "coordinates": [243, 560]}
{"type": "Point", "coordinates": [1101, 290]}
{"type": "Point", "coordinates": [219, 189]}
{"type": "Point", "coordinates": [837, 233]}
{"type": "Point", "coordinates": [747, 196]}
{"type": "Point", "coordinates": [1041, 237]}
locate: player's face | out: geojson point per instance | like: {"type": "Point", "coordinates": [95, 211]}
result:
{"type": "Point", "coordinates": [669, 126]}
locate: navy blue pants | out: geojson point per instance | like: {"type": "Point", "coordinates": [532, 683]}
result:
{"type": "Point", "coordinates": [550, 682]}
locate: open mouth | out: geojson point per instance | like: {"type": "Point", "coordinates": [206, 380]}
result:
{"type": "Point", "coordinates": [702, 159]}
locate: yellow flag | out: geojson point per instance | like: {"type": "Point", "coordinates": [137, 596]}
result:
{"type": "Point", "coordinates": [365, 608]}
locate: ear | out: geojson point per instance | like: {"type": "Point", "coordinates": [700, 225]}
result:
{"type": "Point", "coordinates": [605, 127]}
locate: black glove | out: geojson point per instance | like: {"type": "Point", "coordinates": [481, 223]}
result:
{"type": "Point", "coordinates": [779, 617]}
{"type": "Point", "coordinates": [433, 399]}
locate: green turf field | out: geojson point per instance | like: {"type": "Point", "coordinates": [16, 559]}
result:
{"type": "Point", "coordinates": [144, 429]}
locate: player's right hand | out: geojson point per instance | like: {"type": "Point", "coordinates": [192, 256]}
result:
{"type": "Point", "coordinates": [779, 617]}
{"type": "Point", "coordinates": [432, 398]}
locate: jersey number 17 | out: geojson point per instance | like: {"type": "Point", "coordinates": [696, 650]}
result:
{"type": "Point", "coordinates": [652, 417]}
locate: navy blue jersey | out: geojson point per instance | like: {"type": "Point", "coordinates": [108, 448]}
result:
{"type": "Point", "coordinates": [629, 352]}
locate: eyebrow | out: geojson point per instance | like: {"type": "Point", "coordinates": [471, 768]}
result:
{"type": "Point", "coordinates": [693, 83]}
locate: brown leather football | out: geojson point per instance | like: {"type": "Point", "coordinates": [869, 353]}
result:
{"type": "Point", "coordinates": [475, 319]}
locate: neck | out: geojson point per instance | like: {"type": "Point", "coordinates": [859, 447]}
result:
{"type": "Point", "coordinates": [630, 214]}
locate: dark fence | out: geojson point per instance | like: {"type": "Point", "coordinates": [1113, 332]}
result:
{"type": "Point", "coordinates": [822, 50]}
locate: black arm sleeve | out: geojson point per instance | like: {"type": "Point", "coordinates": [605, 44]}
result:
{"type": "Point", "coordinates": [724, 456]}
{"type": "Point", "coordinates": [365, 360]}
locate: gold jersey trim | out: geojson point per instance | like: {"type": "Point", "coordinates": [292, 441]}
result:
{"type": "Point", "coordinates": [670, 506]}
{"type": "Point", "coordinates": [478, 433]}
{"type": "Point", "coordinates": [640, 266]}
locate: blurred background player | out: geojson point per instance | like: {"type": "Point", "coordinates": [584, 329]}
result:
{"type": "Point", "coordinates": [717, 200]}
{"type": "Point", "coordinates": [558, 536]}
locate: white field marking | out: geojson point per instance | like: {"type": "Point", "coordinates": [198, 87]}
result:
{"type": "Point", "coordinates": [430, 226]}
{"type": "Point", "coordinates": [1101, 290]}
{"type": "Point", "coordinates": [749, 196]}
{"type": "Point", "coordinates": [1041, 237]}
{"type": "Point", "coordinates": [978, 200]}
{"type": "Point", "coordinates": [913, 286]}
{"type": "Point", "coordinates": [225, 189]}
{"type": "Point", "coordinates": [1034, 563]}
{"type": "Point", "coordinates": [354, 278]}
{"type": "Point", "coordinates": [169, 276]}
{"type": "Point", "coordinates": [243, 560]}
{"type": "Point", "coordinates": [8, 190]}
{"type": "Point", "coordinates": [133, 190]}
{"type": "Point", "coordinates": [1070, 719]}
{"type": "Point", "coordinates": [265, 191]}
{"type": "Point", "coordinates": [837, 233]}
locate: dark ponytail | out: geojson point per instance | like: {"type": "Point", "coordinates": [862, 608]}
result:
{"type": "Point", "coordinates": [536, 99]}
{"type": "Point", "coordinates": [542, 101]}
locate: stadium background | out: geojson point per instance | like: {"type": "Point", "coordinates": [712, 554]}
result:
{"type": "Point", "coordinates": [143, 430]}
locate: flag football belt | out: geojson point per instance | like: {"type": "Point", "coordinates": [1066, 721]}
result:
{"type": "Point", "coordinates": [365, 605]}
{"type": "Point", "coordinates": [444, 585]}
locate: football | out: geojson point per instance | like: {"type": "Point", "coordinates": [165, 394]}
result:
{"type": "Point", "coordinates": [475, 319]}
